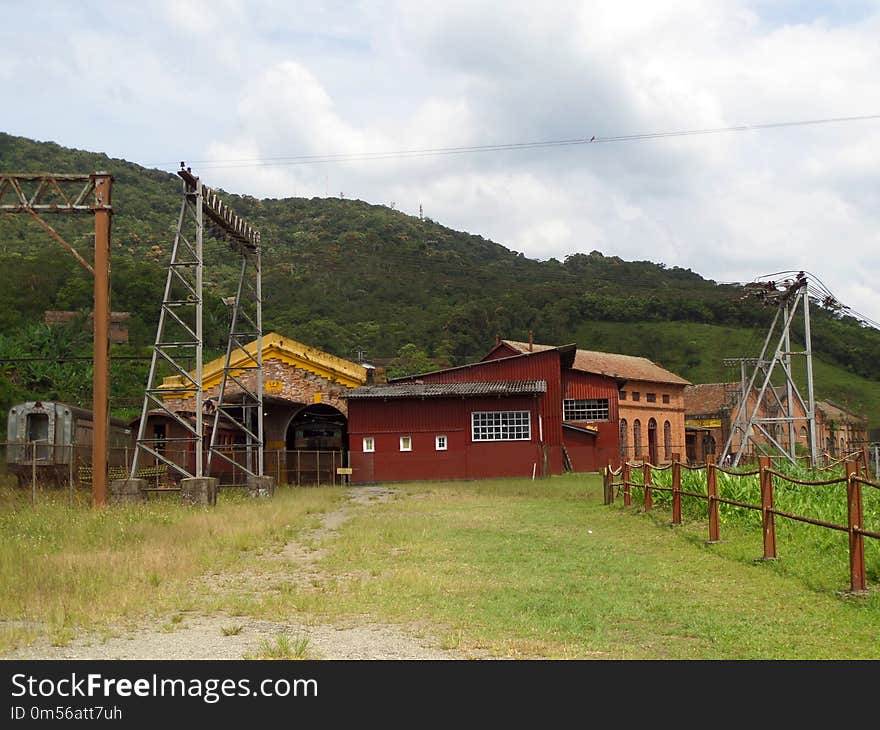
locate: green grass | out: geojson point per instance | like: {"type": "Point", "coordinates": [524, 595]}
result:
{"type": "Point", "coordinates": [819, 555]}
{"type": "Point", "coordinates": [283, 647]}
{"type": "Point", "coordinates": [509, 568]}
{"type": "Point", "coordinates": [512, 567]}
{"type": "Point", "coordinates": [65, 569]}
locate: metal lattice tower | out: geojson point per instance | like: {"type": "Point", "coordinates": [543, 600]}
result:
{"type": "Point", "coordinates": [747, 421]}
{"type": "Point", "coordinates": [180, 337]}
{"type": "Point", "coordinates": [242, 404]}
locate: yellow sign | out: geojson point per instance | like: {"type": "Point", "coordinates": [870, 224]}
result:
{"type": "Point", "coordinates": [703, 422]}
{"type": "Point", "coordinates": [274, 386]}
{"type": "Point", "coordinates": [344, 470]}
{"type": "Point", "coordinates": [316, 398]}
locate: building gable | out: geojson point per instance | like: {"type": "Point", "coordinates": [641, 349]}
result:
{"type": "Point", "coordinates": [282, 350]}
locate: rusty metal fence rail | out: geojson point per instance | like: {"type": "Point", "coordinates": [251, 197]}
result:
{"type": "Point", "coordinates": [38, 464]}
{"type": "Point", "coordinates": [620, 479]}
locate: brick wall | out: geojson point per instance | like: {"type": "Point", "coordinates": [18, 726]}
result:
{"type": "Point", "coordinates": [297, 385]}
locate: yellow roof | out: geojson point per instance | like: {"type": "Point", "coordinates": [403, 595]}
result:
{"type": "Point", "coordinates": [277, 347]}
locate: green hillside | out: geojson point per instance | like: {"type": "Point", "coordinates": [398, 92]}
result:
{"type": "Point", "coordinates": [345, 275]}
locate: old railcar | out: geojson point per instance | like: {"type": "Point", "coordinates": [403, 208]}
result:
{"type": "Point", "coordinates": [53, 441]}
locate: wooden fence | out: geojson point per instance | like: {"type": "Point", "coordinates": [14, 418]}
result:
{"type": "Point", "coordinates": [621, 479]}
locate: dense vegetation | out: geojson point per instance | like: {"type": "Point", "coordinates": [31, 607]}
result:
{"type": "Point", "coordinates": [348, 276]}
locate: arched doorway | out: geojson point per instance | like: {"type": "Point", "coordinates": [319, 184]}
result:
{"type": "Point", "coordinates": [317, 444]}
{"type": "Point", "coordinates": [652, 441]}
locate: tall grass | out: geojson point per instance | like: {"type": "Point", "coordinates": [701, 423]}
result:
{"type": "Point", "coordinates": [76, 567]}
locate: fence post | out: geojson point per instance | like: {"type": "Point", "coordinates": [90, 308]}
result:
{"type": "Point", "coordinates": [768, 519]}
{"type": "Point", "coordinates": [676, 489]}
{"type": "Point", "coordinates": [70, 458]}
{"type": "Point", "coordinates": [627, 494]}
{"type": "Point", "coordinates": [34, 473]}
{"type": "Point", "coordinates": [857, 583]}
{"type": "Point", "coordinates": [712, 491]}
{"type": "Point", "coordinates": [646, 479]}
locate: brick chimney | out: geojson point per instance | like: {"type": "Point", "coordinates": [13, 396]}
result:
{"type": "Point", "coordinates": [531, 341]}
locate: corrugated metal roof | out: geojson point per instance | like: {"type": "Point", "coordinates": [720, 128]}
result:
{"type": "Point", "coordinates": [449, 390]}
{"type": "Point", "coordinates": [622, 367]}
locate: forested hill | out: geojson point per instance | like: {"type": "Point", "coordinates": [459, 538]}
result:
{"type": "Point", "coordinates": [349, 276]}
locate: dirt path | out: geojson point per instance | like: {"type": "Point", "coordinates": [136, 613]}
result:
{"type": "Point", "coordinates": [196, 636]}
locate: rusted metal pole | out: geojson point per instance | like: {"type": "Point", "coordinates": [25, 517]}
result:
{"type": "Point", "coordinates": [676, 489]}
{"type": "Point", "coordinates": [768, 521]}
{"type": "Point", "coordinates": [646, 480]}
{"type": "Point", "coordinates": [712, 491]}
{"type": "Point", "coordinates": [857, 581]}
{"type": "Point", "coordinates": [627, 494]}
{"type": "Point", "coordinates": [101, 373]}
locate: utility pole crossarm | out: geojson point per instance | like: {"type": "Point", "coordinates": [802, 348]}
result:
{"type": "Point", "coordinates": [47, 193]}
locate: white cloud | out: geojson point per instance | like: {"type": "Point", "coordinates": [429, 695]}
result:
{"type": "Point", "coordinates": [233, 81]}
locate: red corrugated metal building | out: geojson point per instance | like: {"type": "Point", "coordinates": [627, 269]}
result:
{"type": "Point", "coordinates": [501, 417]}
{"type": "Point", "coordinates": [650, 427]}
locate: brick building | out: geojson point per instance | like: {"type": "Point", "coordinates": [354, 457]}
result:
{"type": "Point", "coordinates": [118, 332]}
{"type": "Point", "coordinates": [712, 407]}
{"type": "Point", "coordinates": [304, 408]}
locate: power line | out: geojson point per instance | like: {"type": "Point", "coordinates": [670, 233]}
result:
{"type": "Point", "coordinates": [441, 151]}
{"type": "Point", "coordinates": [822, 293]}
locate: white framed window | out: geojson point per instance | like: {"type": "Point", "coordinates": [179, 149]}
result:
{"type": "Point", "coordinates": [440, 443]}
{"type": "Point", "coordinates": [406, 443]}
{"type": "Point", "coordinates": [591, 409]}
{"type": "Point", "coordinates": [501, 426]}
{"type": "Point", "coordinates": [369, 444]}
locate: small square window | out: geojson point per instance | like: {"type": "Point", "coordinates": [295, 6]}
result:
{"type": "Point", "coordinates": [369, 444]}
{"type": "Point", "coordinates": [666, 398]}
{"type": "Point", "coordinates": [406, 443]}
{"type": "Point", "coordinates": [622, 395]}
{"type": "Point", "coordinates": [651, 397]}
{"type": "Point", "coordinates": [440, 443]}
{"type": "Point", "coordinates": [636, 395]}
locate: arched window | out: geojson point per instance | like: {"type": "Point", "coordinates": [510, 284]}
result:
{"type": "Point", "coordinates": [708, 444]}
{"type": "Point", "coordinates": [623, 438]}
{"type": "Point", "coordinates": [842, 445]}
{"type": "Point", "coordinates": [667, 441]}
{"type": "Point", "coordinates": [804, 434]}
{"type": "Point", "coordinates": [652, 441]}
{"type": "Point", "coordinates": [637, 438]}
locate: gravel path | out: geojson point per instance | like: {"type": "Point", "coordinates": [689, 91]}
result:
{"type": "Point", "coordinates": [225, 637]}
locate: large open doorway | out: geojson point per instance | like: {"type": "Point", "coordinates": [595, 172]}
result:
{"type": "Point", "coordinates": [317, 444]}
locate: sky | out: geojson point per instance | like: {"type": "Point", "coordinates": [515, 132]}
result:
{"type": "Point", "coordinates": [246, 91]}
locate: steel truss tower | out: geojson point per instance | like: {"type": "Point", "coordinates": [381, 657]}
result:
{"type": "Point", "coordinates": [179, 339]}
{"type": "Point", "coordinates": [747, 421]}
